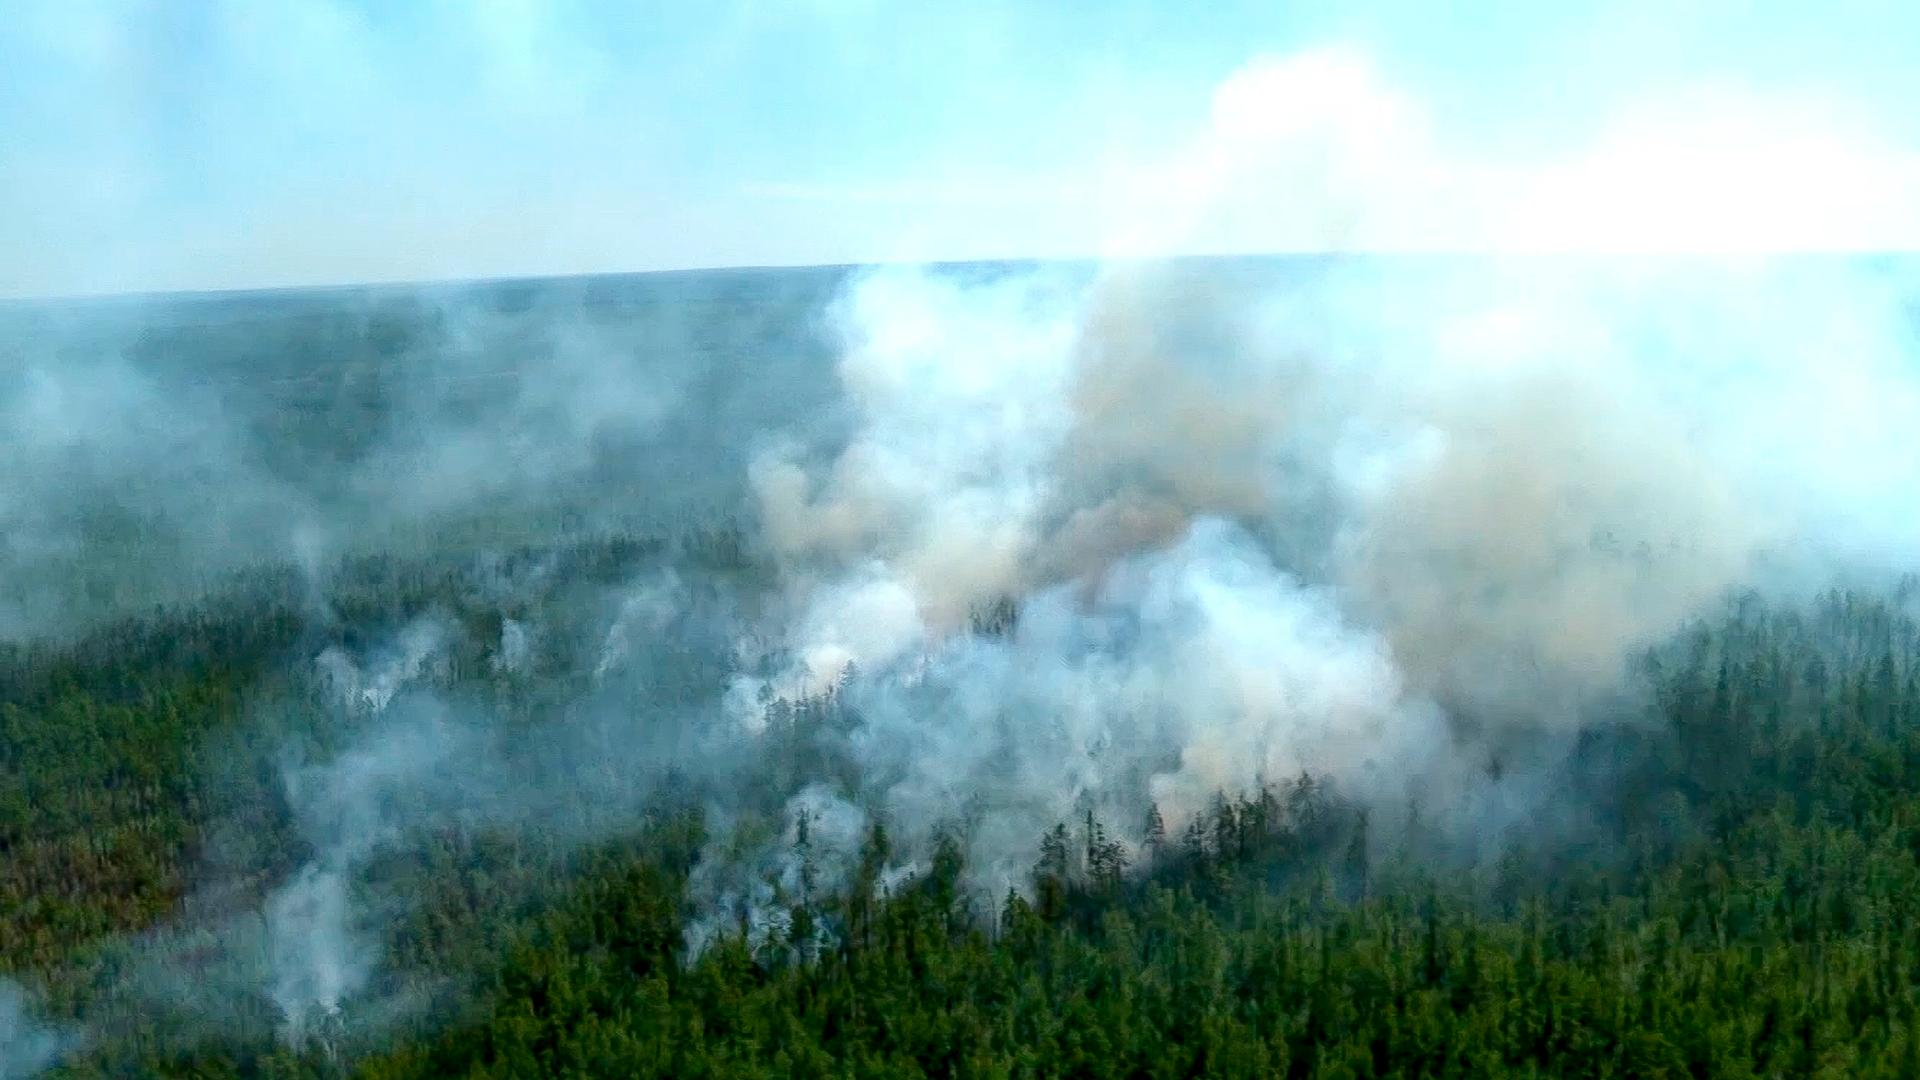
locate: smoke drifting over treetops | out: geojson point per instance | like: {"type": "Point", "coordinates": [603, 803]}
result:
{"type": "Point", "coordinates": [156, 444]}
{"type": "Point", "coordinates": [1057, 539]}
{"type": "Point", "coordinates": [1262, 523]}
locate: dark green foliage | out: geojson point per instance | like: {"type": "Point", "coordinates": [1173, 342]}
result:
{"type": "Point", "coordinates": [1743, 900]}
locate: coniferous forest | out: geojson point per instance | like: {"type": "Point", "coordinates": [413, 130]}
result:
{"type": "Point", "coordinates": [855, 540]}
{"type": "Point", "coordinates": [1744, 903]}
{"type": "Point", "coordinates": [528, 781]}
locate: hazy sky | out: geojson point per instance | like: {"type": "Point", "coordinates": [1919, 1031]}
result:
{"type": "Point", "coordinates": [160, 144]}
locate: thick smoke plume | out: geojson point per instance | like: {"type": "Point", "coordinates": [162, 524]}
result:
{"type": "Point", "coordinates": [1361, 519]}
{"type": "Point", "coordinates": [1113, 541]}
{"type": "Point", "coordinates": [1038, 542]}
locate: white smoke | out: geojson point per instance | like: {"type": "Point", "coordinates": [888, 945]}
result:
{"type": "Point", "coordinates": [1350, 518]}
{"type": "Point", "coordinates": [320, 949]}
{"type": "Point", "coordinates": [515, 653]}
{"type": "Point", "coordinates": [317, 957]}
{"type": "Point", "coordinates": [755, 888]}
{"type": "Point", "coordinates": [1185, 672]}
{"type": "Point", "coordinates": [962, 391]}
{"type": "Point", "coordinates": [320, 943]}
{"type": "Point", "coordinates": [644, 613]}
{"type": "Point", "coordinates": [1265, 521]}
{"type": "Point", "coordinates": [370, 687]}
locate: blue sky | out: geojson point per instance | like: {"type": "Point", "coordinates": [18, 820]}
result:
{"type": "Point", "coordinates": [159, 144]}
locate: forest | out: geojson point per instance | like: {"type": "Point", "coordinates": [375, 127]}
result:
{"type": "Point", "coordinates": [992, 671]}
{"type": "Point", "coordinates": [841, 540]}
{"type": "Point", "coordinates": [1741, 903]}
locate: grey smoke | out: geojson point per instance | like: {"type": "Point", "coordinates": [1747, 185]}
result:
{"type": "Point", "coordinates": [159, 444]}
{"type": "Point", "coordinates": [644, 614]}
{"type": "Point", "coordinates": [753, 884]}
{"type": "Point", "coordinates": [111, 460]}
{"type": "Point", "coordinates": [405, 757]}
{"type": "Point", "coordinates": [27, 1043]}
{"type": "Point", "coordinates": [316, 957]}
{"type": "Point", "coordinates": [1362, 519]}
{"type": "Point", "coordinates": [1329, 517]}
{"type": "Point", "coordinates": [515, 654]}
{"type": "Point", "coordinates": [404, 775]}
{"type": "Point", "coordinates": [370, 686]}
{"type": "Point", "coordinates": [1185, 672]}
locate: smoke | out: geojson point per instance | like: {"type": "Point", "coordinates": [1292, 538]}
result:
{"type": "Point", "coordinates": [27, 1045]}
{"type": "Point", "coordinates": [306, 954]}
{"type": "Point", "coordinates": [515, 655]}
{"type": "Point", "coordinates": [515, 400]}
{"type": "Point", "coordinates": [115, 459]}
{"type": "Point", "coordinates": [1185, 672]}
{"type": "Point", "coordinates": [753, 885]}
{"type": "Point", "coordinates": [408, 773]}
{"type": "Point", "coordinates": [402, 752]}
{"type": "Point", "coordinates": [645, 612]}
{"type": "Point", "coordinates": [1369, 520]}
{"type": "Point", "coordinates": [1044, 540]}
{"type": "Point", "coordinates": [371, 687]}
{"type": "Point", "coordinates": [317, 959]}
{"type": "Point", "coordinates": [162, 444]}
{"type": "Point", "coordinates": [949, 462]}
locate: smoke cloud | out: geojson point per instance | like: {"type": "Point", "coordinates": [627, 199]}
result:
{"type": "Point", "coordinates": [1365, 519]}
{"type": "Point", "coordinates": [1038, 540]}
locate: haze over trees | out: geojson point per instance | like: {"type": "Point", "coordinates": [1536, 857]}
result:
{"type": "Point", "coordinates": [986, 671]}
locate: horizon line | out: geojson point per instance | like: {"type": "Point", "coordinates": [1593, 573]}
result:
{"type": "Point", "coordinates": [287, 289]}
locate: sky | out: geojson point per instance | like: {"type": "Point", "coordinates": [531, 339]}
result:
{"type": "Point", "coordinates": [150, 145]}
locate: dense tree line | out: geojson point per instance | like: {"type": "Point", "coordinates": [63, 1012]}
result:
{"type": "Point", "coordinates": [1741, 897]}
